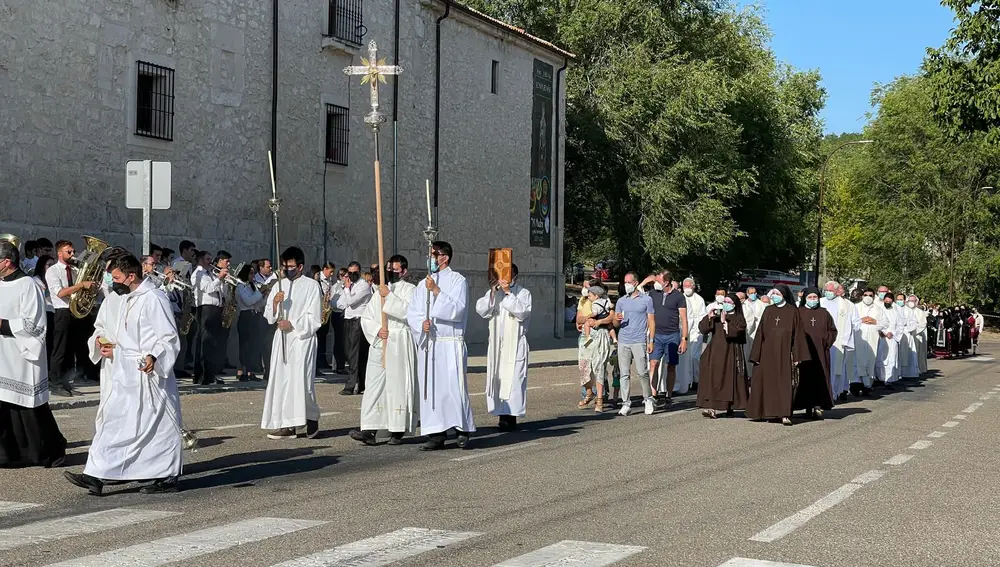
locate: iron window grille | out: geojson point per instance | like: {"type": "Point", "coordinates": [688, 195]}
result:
{"type": "Point", "coordinates": [495, 77]}
{"type": "Point", "coordinates": [154, 101]}
{"type": "Point", "coordinates": [338, 132]}
{"type": "Point", "coordinates": [346, 21]}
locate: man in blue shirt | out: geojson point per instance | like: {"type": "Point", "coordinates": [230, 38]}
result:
{"type": "Point", "coordinates": [635, 321]}
{"type": "Point", "coordinates": [670, 329]}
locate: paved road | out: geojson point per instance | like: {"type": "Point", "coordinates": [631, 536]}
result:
{"type": "Point", "coordinates": [905, 479]}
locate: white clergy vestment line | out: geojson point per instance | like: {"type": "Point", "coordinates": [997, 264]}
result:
{"type": "Point", "coordinates": [921, 340]}
{"type": "Point", "coordinates": [688, 364]}
{"type": "Point", "coordinates": [866, 341]}
{"type": "Point", "coordinates": [290, 398]}
{"type": "Point", "coordinates": [447, 402]}
{"type": "Point", "coordinates": [908, 367]}
{"type": "Point", "coordinates": [138, 433]}
{"type": "Point", "coordinates": [509, 317]}
{"type": "Point", "coordinates": [887, 368]}
{"type": "Point", "coordinates": [845, 318]}
{"type": "Point", "coordinates": [108, 318]}
{"type": "Point", "coordinates": [390, 401]}
{"type": "Point", "coordinates": [24, 369]}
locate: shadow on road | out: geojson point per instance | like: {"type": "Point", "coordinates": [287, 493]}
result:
{"type": "Point", "coordinates": [247, 468]}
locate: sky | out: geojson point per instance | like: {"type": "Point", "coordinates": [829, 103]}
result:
{"type": "Point", "coordinates": [854, 44]}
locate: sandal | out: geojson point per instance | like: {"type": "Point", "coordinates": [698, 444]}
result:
{"type": "Point", "coordinates": [599, 406]}
{"type": "Point", "coordinates": [586, 401]}
{"type": "Point", "coordinates": [786, 421]}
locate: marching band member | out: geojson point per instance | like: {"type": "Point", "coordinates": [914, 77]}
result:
{"type": "Point", "coordinates": [250, 302]}
{"type": "Point", "coordinates": [265, 280]}
{"type": "Point", "coordinates": [208, 307]}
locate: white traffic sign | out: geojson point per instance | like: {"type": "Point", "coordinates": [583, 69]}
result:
{"type": "Point", "coordinates": [136, 189]}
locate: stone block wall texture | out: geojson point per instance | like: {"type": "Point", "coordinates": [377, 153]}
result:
{"type": "Point", "coordinates": [67, 79]}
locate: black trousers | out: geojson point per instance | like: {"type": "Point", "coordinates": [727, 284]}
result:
{"type": "Point", "coordinates": [206, 343]}
{"type": "Point", "coordinates": [249, 335]}
{"type": "Point", "coordinates": [321, 338]}
{"type": "Point", "coordinates": [357, 354]}
{"type": "Point", "coordinates": [69, 347]}
{"type": "Point", "coordinates": [339, 342]}
{"type": "Point", "coordinates": [266, 334]}
{"type": "Point", "coordinates": [50, 329]}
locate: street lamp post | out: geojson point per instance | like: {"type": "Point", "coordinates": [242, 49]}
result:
{"type": "Point", "coordinates": [819, 221]}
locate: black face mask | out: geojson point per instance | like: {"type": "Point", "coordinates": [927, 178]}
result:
{"type": "Point", "coordinates": [888, 304]}
{"type": "Point", "coordinates": [291, 273]}
{"type": "Point", "coordinates": [120, 288]}
{"type": "Point", "coordinates": [392, 277]}
{"type": "Point", "coordinates": [354, 276]}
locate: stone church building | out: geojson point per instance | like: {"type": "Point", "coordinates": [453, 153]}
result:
{"type": "Point", "coordinates": [478, 112]}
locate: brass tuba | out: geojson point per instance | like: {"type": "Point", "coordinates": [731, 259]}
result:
{"type": "Point", "coordinates": [81, 303]}
{"type": "Point", "coordinates": [12, 239]}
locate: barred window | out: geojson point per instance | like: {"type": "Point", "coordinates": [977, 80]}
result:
{"type": "Point", "coordinates": [338, 131]}
{"type": "Point", "coordinates": [495, 77]}
{"type": "Point", "coordinates": [154, 101]}
{"type": "Point", "coordinates": [346, 21]}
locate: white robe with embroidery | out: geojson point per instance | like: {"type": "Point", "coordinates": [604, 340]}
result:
{"type": "Point", "coordinates": [24, 369]}
{"type": "Point", "coordinates": [866, 341]}
{"type": "Point", "coordinates": [290, 399]}
{"type": "Point", "coordinates": [688, 363]}
{"type": "Point", "coordinates": [509, 316]}
{"type": "Point", "coordinates": [908, 367]}
{"type": "Point", "coordinates": [391, 398]}
{"type": "Point", "coordinates": [444, 403]}
{"type": "Point", "coordinates": [138, 432]}
{"type": "Point", "coordinates": [887, 369]}
{"type": "Point", "coordinates": [842, 356]}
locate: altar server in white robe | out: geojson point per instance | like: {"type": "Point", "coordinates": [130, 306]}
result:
{"type": "Point", "coordinates": [444, 389]}
{"type": "Point", "coordinates": [29, 435]}
{"type": "Point", "coordinates": [297, 311]}
{"type": "Point", "coordinates": [138, 437]}
{"type": "Point", "coordinates": [689, 361]}
{"type": "Point", "coordinates": [873, 321]}
{"type": "Point", "coordinates": [887, 369]}
{"type": "Point", "coordinates": [391, 399]}
{"type": "Point", "coordinates": [507, 307]}
{"type": "Point", "coordinates": [753, 310]}
{"type": "Point", "coordinates": [908, 346]}
{"type": "Point", "coordinates": [106, 326]}
{"type": "Point", "coordinates": [923, 316]}
{"type": "Point", "coordinates": [846, 319]}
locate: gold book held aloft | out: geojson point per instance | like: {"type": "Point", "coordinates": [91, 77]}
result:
{"type": "Point", "coordinates": [501, 260]}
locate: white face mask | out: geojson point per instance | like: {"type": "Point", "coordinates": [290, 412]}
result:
{"type": "Point", "coordinates": [911, 304]}
{"type": "Point", "coordinates": [688, 291]}
{"type": "Point", "coordinates": [720, 299]}
{"type": "Point", "coordinates": [868, 300]}
{"type": "Point", "coordinates": [629, 288]}
{"type": "Point", "coordinates": [584, 292]}
{"type": "Point", "coordinates": [658, 286]}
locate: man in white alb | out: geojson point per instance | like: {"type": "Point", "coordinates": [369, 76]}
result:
{"type": "Point", "coordinates": [139, 433]}
{"type": "Point", "coordinates": [444, 400]}
{"type": "Point", "coordinates": [689, 362]}
{"type": "Point", "coordinates": [846, 319]}
{"type": "Point", "coordinates": [297, 311]}
{"type": "Point", "coordinates": [507, 307]}
{"type": "Point", "coordinates": [391, 399]}
{"type": "Point", "coordinates": [873, 320]}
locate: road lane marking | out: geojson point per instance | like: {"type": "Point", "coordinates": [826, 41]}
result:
{"type": "Point", "coordinates": [960, 416]}
{"type": "Point", "coordinates": [744, 562]}
{"type": "Point", "coordinates": [329, 413]}
{"type": "Point", "coordinates": [565, 384]}
{"type": "Point", "coordinates": [381, 550]}
{"type": "Point", "coordinates": [11, 507]}
{"type": "Point", "coordinates": [803, 516]}
{"type": "Point", "coordinates": [870, 476]}
{"type": "Point", "coordinates": [182, 547]}
{"type": "Point", "coordinates": [937, 434]}
{"type": "Point", "coordinates": [972, 407]}
{"type": "Point", "coordinates": [950, 424]}
{"type": "Point", "coordinates": [922, 444]}
{"type": "Point", "coordinates": [62, 528]}
{"type": "Point", "coordinates": [898, 459]}
{"type": "Point", "coordinates": [576, 553]}
{"type": "Point", "coordinates": [985, 398]}
{"type": "Point", "coordinates": [225, 427]}
{"type": "Point", "coordinates": [497, 451]}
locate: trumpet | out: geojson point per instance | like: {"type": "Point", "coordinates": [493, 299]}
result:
{"type": "Point", "coordinates": [230, 278]}
{"type": "Point", "coordinates": [178, 281]}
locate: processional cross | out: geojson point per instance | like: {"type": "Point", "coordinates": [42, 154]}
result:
{"type": "Point", "coordinates": [373, 71]}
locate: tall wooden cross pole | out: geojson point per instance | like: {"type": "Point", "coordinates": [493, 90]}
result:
{"type": "Point", "coordinates": [373, 71]}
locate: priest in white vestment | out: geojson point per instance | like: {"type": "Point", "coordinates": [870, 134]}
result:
{"type": "Point", "coordinates": [139, 434]}
{"type": "Point", "coordinates": [887, 368]}
{"type": "Point", "coordinates": [922, 321]}
{"type": "Point", "coordinates": [507, 307]}
{"type": "Point", "coordinates": [29, 434]}
{"type": "Point", "coordinates": [689, 362]}
{"type": "Point", "coordinates": [391, 398]}
{"type": "Point", "coordinates": [873, 322]}
{"type": "Point", "coordinates": [846, 319]}
{"type": "Point", "coordinates": [908, 366]}
{"type": "Point", "coordinates": [297, 311]}
{"type": "Point", "coordinates": [444, 389]}
{"type": "Point", "coordinates": [753, 310]}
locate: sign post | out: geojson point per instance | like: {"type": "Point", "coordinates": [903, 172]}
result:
{"type": "Point", "coordinates": [147, 187]}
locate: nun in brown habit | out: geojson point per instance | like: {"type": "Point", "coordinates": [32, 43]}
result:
{"type": "Point", "coordinates": [814, 393]}
{"type": "Point", "coordinates": [778, 349]}
{"type": "Point", "coordinates": [723, 382]}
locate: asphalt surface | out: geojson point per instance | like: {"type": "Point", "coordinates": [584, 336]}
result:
{"type": "Point", "coordinates": [678, 489]}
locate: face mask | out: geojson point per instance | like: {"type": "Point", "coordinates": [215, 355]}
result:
{"type": "Point", "coordinates": [777, 299]}
{"type": "Point", "coordinates": [584, 292]}
{"type": "Point", "coordinates": [120, 288]}
{"type": "Point", "coordinates": [881, 295]}
{"type": "Point", "coordinates": [752, 297]}
{"type": "Point", "coordinates": [658, 286]}
{"type": "Point", "coordinates": [868, 300]}
{"type": "Point", "coordinates": [812, 303]}
{"type": "Point", "coordinates": [899, 303]}
{"type": "Point", "coordinates": [829, 295]}
{"type": "Point", "coordinates": [688, 292]}
{"type": "Point", "coordinates": [392, 277]}
{"type": "Point", "coordinates": [727, 307]}
{"type": "Point", "coordinates": [434, 266]}
{"type": "Point", "coordinates": [888, 304]}
{"type": "Point", "coordinates": [108, 281]}
{"type": "Point", "coordinates": [291, 273]}
{"type": "Point", "coordinates": [720, 298]}
{"type": "Point", "coordinates": [629, 288]}
{"type": "Point", "coordinates": [911, 304]}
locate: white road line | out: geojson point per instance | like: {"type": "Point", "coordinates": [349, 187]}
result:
{"type": "Point", "coordinates": [803, 516]}
{"type": "Point", "coordinates": [985, 398]}
{"type": "Point", "coordinates": [381, 550]}
{"type": "Point", "coordinates": [922, 444]}
{"type": "Point", "coordinates": [11, 507]}
{"type": "Point", "coordinates": [870, 476]}
{"type": "Point", "coordinates": [937, 434]}
{"type": "Point", "coordinates": [497, 451]}
{"type": "Point", "coordinates": [478, 394]}
{"type": "Point", "coordinates": [329, 413]}
{"type": "Point", "coordinates": [225, 427]}
{"type": "Point", "coordinates": [62, 528]}
{"type": "Point", "coordinates": [744, 562]}
{"type": "Point", "coordinates": [960, 416]}
{"type": "Point", "coordinates": [950, 424]}
{"type": "Point", "coordinates": [576, 553]}
{"type": "Point", "coordinates": [190, 545]}
{"type": "Point", "coordinates": [898, 459]}
{"type": "Point", "coordinates": [972, 407]}
{"type": "Point", "coordinates": [984, 359]}
{"type": "Point", "coordinates": [565, 384]}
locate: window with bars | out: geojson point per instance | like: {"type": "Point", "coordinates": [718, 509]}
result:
{"type": "Point", "coordinates": [154, 101]}
{"type": "Point", "coordinates": [338, 130]}
{"type": "Point", "coordinates": [346, 21]}
{"type": "Point", "coordinates": [495, 77]}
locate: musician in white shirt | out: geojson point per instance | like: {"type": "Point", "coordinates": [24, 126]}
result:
{"type": "Point", "coordinates": [326, 277]}
{"type": "Point", "coordinates": [353, 300]}
{"type": "Point", "coordinates": [208, 313]}
{"type": "Point", "coordinates": [69, 344]}
{"type": "Point", "coordinates": [265, 280]}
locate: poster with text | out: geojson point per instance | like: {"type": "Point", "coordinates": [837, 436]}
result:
{"type": "Point", "coordinates": [541, 155]}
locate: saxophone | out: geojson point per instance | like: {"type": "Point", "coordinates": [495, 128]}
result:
{"type": "Point", "coordinates": [89, 263]}
{"type": "Point", "coordinates": [229, 305]}
{"type": "Point", "coordinates": [187, 312]}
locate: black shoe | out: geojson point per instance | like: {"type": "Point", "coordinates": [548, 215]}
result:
{"type": "Point", "coordinates": [163, 486]}
{"type": "Point", "coordinates": [182, 374]}
{"type": "Point", "coordinates": [463, 440]}
{"type": "Point", "coordinates": [396, 439]}
{"type": "Point", "coordinates": [253, 377]}
{"type": "Point", "coordinates": [434, 443]}
{"type": "Point", "coordinates": [94, 485]}
{"type": "Point", "coordinates": [217, 381]}
{"type": "Point", "coordinates": [312, 428]}
{"type": "Point", "coordinates": [242, 378]}
{"type": "Point", "coordinates": [341, 370]}
{"type": "Point", "coordinates": [842, 397]}
{"type": "Point", "coordinates": [346, 392]}
{"type": "Point", "coordinates": [366, 437]}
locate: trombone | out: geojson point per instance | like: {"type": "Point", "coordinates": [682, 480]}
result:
{"type": "Point", "coordinates": [230, 278]}
{"type": "Point", "coordinates": [177, 280]}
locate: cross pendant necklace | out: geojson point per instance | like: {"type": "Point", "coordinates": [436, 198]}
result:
{"type": "Point", "coordinates": [776, 319]}
{"type": "Point", "coordinates": [813, 320]}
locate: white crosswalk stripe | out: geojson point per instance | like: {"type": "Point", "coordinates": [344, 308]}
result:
{"type": "Point", "coordinates": [72, 526]}
{"type": "Point", "coordinates": [381, 550]}
{"type": "Point", "coordinates": [11, 507]}
{"type": "Point", "coordinates": [744, 562]}
{"type": "Point", "coordinates": [195, 544]}
{"type": "Point", "coordinates": [576, 553]}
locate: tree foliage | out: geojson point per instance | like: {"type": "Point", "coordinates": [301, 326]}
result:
{"type": "Point", "coordinates": [688, 144]}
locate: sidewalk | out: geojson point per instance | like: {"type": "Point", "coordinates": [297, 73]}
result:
{"type": "Point", "coordinates": [550, 352]}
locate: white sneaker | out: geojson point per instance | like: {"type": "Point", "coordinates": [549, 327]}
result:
{"type": "Point", "coordinates": [626, 408]}
{"type": "Point", "coordinates": [650, 406]}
